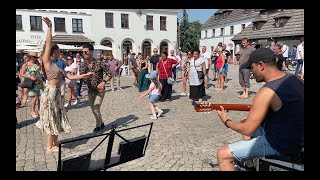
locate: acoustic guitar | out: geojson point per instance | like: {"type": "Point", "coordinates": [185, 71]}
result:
{"type": "Point", "coordinates": [209, 107]}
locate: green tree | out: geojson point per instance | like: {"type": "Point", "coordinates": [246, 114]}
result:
{"type": "Point", "coordinates": [184, 38]}
{"type": "Point", "coordinates": [189, 33]}
{"type": "Point", "coordinates": [194, 32]}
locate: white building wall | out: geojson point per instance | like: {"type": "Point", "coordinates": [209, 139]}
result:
{"type": "Point", "coordinates": [38, 37]}
{"type": "Point", "coordinates": [226, 39]}
{"type": "Point", "coordinates": [94, 27]}
{"type": "Point", "coordinates": [137, 32]}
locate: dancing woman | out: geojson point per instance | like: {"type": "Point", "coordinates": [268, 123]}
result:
{"type": "Point", "coordinates": [53, 117]}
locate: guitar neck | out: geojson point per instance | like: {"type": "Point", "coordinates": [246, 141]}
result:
{"type": "Point", "coordinates": [236, 107]}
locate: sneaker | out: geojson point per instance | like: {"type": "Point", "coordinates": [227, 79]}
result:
{"type": "Point", "coordinates": [66, 105]}
{"type": "Point", "coordinates": [112, 90]}
{"type": "Point", "coordinates": [188, 94]}
{"type": "Point", "coordinates": [38, 124]}
{"type": "Point", "coordinates": [183, 94]}
{"type": "Point", "coordinates": [120, 88]}
{"type": "Point", "coordinates": [159, 113]}
{"type": "Point", "coordinates": [75, 102]}
{"type": "Point", "coordinates": [153, 117]}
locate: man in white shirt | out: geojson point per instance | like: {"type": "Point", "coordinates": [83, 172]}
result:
{"type": "Point", "coordinates": [178, 67]}
{"type": "Point", "coordinates": [285, 54]}
{"type": "Point", "coordinates": [300, 57]}
{"type": "Point", "coordinates": [207, 58]}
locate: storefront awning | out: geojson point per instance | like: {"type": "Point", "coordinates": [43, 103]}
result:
{"type": "Point", "coordinates": [71, 39]}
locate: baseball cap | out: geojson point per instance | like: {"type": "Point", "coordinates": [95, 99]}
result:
{"type": "Point", "coordinates": [152, 75]}
{"type": "Point", "coordinates": [262, 54]}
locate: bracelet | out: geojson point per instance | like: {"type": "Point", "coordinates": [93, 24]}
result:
{"type": "Point", "coordinates": [104, 81]}
{"type": "Point", "coordinates": [225, 122]}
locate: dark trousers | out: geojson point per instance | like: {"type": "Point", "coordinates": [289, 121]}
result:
{"type": "Point", "coordinates": [299, 66]}
{"type": "Point", "coordinates": [166, 90]}
{"type": "Point", "coordinates": [79, 85]}
{"type": "Point", "coordinates": [174, 71]}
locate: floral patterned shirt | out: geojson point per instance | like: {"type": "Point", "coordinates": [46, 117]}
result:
{"type": "Point", "coordinates": [100, 68]}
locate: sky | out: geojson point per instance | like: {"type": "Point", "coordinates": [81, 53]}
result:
{"type": "Point", "coordinates": [198, 14]}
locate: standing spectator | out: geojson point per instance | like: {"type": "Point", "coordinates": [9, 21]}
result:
{"type": "Point", "coordinates": [154, 59]}
{"type": "Point", "coordinates": [96, 84]}
{"type": "Point", "coordinates": [23, 90]}
{"type": "Point", "coordinates": [300, 57]}
{"type": "Point", "coordinates": [244, 74]}
{"type": "Point", "coordinates": [176, 68]}
{"type": "Point", "coordinates": [71, 69]}
{"type": "Point", "coordinates": [285, 54]}
{"type": "Point", "coordinates": [114, 66]}
{"type": "Point", "coordinates": [32, 71]}
{"type": "Point", "coordinates": [197, 89]}
{"type": "Point", "coordinates": [134, 67]}
{"type": "Point", "coordinates": [143, 82]}
{"type": "Point", "coordinates": [206, 57]}
{"type": "Point", "coordinates": [227, 54]}
{"type": "Point", "coordinates": [185, 68]}
{"type": "Point", "coordinates": [79, 81]}
{"type": "Point", "coordinates": [165, 67]}
{"type": "Point", "coordinates": [279, 56]}
{"type": "Point", "coordinates": [154, 93]}
{"type": "Point", "coordinates": [221, 61]}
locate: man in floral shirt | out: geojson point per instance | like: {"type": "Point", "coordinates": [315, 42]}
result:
{"type": "Point", "coordinates": [96, 83]}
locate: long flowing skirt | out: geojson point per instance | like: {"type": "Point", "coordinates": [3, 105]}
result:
{"type": "Point", "coordinates": [53, 115]}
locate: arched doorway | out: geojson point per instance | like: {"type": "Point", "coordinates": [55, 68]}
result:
{"type": "Point", "coordinates": [163, 47]}
{"type": "Point", "coordinates": [126, 49]}
{"type": "Point", "coordinates": [146, 47]}
{"type": "Point", "coordinates": [107, 43]}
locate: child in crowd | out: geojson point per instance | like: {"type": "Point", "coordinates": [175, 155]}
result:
{"type": "Point", "coordinates": [154, 92]}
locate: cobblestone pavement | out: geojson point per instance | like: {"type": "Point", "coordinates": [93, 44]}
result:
{"type": "Point", "coordinates": [181, 140]}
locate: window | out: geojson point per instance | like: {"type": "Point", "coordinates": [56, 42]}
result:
{"type": "Point", "coordinates": [217, 16]}
{"type": "Point", "coordinates": [109, 20]}
{"type": "Point", "coordinates": [213, 32]}
{"type": "Point", "coordinates": [18, 22]}
{"type": "Point", "coordinates": [246, 11]}
{"type": "Point", "coordinates": [149, 22]}
{"type": "Point", "coordinates": [205, 33]}
{"type": "Point", "coordinates": [124, 20]}
{"type": "Point", "coordinates": [243, 26]}
{"type": "Point", "coordinates": [231, 30]}
{"type": "Point", "coordinates": [59, 24]}
{"type": "Point", "coordinates": [77, 25]}
{"type": "Point", "coordinates": [36, 23]}
{"type": "Point", "coordinates": [280, 22]}
{"type": "Point", "coordinates": [163, 23]}
{"type": "Point", "coordinates": [257, 25]}
{"type": "Point", "coordinates": [221, 31]}
{"type": "Point", "coordinates": [224, 15]}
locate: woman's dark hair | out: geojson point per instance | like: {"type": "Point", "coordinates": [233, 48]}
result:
{"type": "Point", "coordinates": [165, 53]}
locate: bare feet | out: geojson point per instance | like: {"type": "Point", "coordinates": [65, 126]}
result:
{"type": "Point", "coordinates": [54, 149]}
{"type": "Point", "coordinates": [34, 115]}
{"type": "Point", "coordinates": [244, 97]}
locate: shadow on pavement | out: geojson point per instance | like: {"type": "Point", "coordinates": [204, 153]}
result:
{"type": "Point", "coordinates": [120, 122]}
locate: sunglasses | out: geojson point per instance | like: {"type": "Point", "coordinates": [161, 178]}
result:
{"type": "Point", "coordinates": [69, 59]}
{"type": "Point", "coordinates": [78, 61]}
{"type": "Point", "coordinates": [155, 51]}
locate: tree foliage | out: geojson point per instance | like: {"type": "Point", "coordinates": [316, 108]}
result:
{"type": "Point", "coordinates": [189, 33]}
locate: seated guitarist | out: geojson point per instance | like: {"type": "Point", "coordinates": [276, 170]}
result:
{"type": "Point", "coordinates": [275, 123]}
